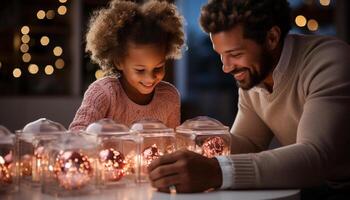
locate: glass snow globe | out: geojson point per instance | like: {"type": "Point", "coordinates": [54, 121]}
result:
{"type": "Point", "coordinates": [8, 176]}
{"type": "Point", "coordinates": [204, 135]}
{"type": "Point", "coordinates": [31, 141]}
{"type": "Point", "coordinates": [156, 140]}
{"type": "Point", "coordinates": [71, 167]}
{"type": "Point", "coordinates": [118, 150]}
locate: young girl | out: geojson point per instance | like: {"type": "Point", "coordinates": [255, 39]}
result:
{"type": "Point", "coordinates": [132, 42]}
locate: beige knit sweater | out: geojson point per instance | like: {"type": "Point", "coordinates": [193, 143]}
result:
{"type": "Point", "coordinates": [308, 112]}
{"type": "Point", "coordinates": [105, 98]}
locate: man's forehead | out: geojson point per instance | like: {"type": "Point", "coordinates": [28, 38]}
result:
{"type": "Point", "coordinates": [226, 41]}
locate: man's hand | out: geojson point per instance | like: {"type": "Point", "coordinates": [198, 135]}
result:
{"type": "Point", "coordinates": [188, 171]}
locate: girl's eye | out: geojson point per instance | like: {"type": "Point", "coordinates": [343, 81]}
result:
{"type": "Point", "coordinates": [139, 70]}
{"type": "Point", "coordinates": [159, 69]}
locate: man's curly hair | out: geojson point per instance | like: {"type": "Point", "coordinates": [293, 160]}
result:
{"type": "Point", "coordinates": [151, 22]}
{"type": "Point", "coordinates": [256, 16]}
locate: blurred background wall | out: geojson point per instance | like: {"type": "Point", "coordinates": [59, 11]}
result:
{"type": "Point", "coordinates": [44, 70]}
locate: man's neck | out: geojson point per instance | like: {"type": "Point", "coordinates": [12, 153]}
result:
{"type": "Point", "coordinates": [276, 55]}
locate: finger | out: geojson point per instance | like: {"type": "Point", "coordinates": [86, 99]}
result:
{"type": "Point", "coordinates": [162, 171]}
{"type": "Point", "coordinates": [167, 181]}
{"type": "Point", "coordinates": [165, 159]}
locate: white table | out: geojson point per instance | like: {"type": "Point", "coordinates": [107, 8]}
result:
{"type": "Point", "coordinates": [145, 192]}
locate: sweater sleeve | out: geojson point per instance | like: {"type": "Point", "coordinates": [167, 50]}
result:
{"type": "Point", "coordinates": [174, 116]}
{"type": "Point", "coordinates": [94, 107]}
{"type": "Point", "coordinates": [321, 152]}
{"type": "Point", "coordinates": [249, 133]}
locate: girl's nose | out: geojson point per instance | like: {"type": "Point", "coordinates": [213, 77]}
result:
{"type": "Point", "coordinates": [150, 77]}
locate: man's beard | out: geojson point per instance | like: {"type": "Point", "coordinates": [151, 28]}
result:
{"type": "Point", "coordinates": [254, 77]}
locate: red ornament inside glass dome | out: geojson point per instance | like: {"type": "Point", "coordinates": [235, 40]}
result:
{"type": "Point", "coordinates": [6, 169]}
{"type": "Point", "coordinates": [113, 163]}
{"type": "Point", "coordinates": [73, 170]}
{"type": "Point", "coordinates": [213, 146]}
{"type": "Point", "coordinates": [38, 152]}
{"type": "Point", "coordinates": [149, 154]}
{"type": "Point", "coordinates": [26, 165]}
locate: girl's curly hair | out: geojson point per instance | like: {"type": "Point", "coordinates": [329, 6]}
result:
{"type": "Point", "coordinates": [152, 22]}
{"type": "Point", "coordinates": [256, 16]}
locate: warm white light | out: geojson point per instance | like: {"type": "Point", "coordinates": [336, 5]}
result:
{"type": "Point", "coordinates": [24, 48]}
{"type": "Point", "coordinates": [62, 10]}
{"type": "Point", "coordinates": [325, 2]}
{"type": "Point", "coordinates": [25, 30]}
{"type": "Point", "coordinates": [26, 57]}
{"type": "Point", "coordinates": [25, 39]}
{"type": "Point", "coordinates": [57, 51]}
{"type": "Point", "coordinates": [62, 1]}
{"type": "Point", "coordinates": [300, 21]}
{"type": "Point", "coordinates": [50, 14]}
{"type": "Point", "coordinates": [44, 40]}
{"type": "Point", "coordinates": [49, 69]}
{"type": "Point", "coordinates": [17, 72]}
{"type": "Point", "coordinates": [99, 74]}
{"type": "Point", "coordinates": [33, 68]}
{"type": "Point", "coordinates": [312, 25]}
{"type": "Point", "coordinates": [59, 64]}
{"type": "Point", "coordinates": [40, 14]}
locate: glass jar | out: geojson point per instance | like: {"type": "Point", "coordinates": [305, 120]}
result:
{"type": "Point", "coordinates": [71, 167]}
{"type": "Point", "coordinates": [118, 150]}
{"type": "Point", "coordinates": [204, 135]}
{"type": "Point", "coordinates": [156, 140]}
{"type": "Point", "coordinates": [31, 141]}
{"type": "Point", "coordinates": [8, 175]}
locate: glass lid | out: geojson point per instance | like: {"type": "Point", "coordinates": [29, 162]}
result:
{"type": "Point", "coordinates": [4, 131]}
{"type": "Point", "coordinates": [150, 126]}
{"type": "Point", "coordinates": [43, 125]}
{"type": "Point", "coordinates": [6, 137]}
{"type": "Point", "coordinates": [71, 141]}
{"type": "Point", "coordinates": [107, 126]}
{"type": "Point", "coordinates": [202, 123]}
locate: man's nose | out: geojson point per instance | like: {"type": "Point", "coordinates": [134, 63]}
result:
{"type": "Point", "coordinates": [227, 66]}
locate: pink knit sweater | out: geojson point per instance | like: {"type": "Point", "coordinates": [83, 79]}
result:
{"type": "Point", "coordinates": [105, 98]}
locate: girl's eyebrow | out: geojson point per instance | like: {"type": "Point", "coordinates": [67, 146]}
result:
{"type": "Point", "coordinates": [161, 62]}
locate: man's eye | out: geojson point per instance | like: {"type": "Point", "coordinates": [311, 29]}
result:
{"type": "Point", "coordinates": [236, 55]}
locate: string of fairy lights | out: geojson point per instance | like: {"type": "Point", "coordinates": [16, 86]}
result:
{"type": "Point", "coordinates": [45, 41]}
{"type": "Point", "coordinates": [311, 24]}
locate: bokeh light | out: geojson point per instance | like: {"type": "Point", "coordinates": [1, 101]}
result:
{"type": "Point", "coordinates": [59, 64]}
{"type": "Point", "coordinates": [33, 68]}
{"type": "Point", "coordinates": [40, 14]}
{"type": "Point", "coordinates": [17, 72]}
{"type": "Point", "coordinates": [300, 21]}
{"type": "Point", "coordinates": [49, 70]}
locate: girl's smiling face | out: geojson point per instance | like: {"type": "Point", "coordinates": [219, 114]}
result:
{"type": "Point", "coordinates": [143, 67]}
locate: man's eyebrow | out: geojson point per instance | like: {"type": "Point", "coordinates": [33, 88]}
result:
{"type": "Point", "coordinates": [234, 49]}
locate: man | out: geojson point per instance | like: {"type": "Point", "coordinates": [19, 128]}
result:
{"type": "Point", "coordinates": [293, 87]}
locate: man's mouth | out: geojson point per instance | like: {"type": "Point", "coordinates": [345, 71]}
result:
{"type": "Point", "coordinates": [240, 74]}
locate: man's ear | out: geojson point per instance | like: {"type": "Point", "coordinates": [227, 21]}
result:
{"type": "Point", "coordinates": [118, 64]}
{"type": "Point", "coordinates": [273, 37]}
